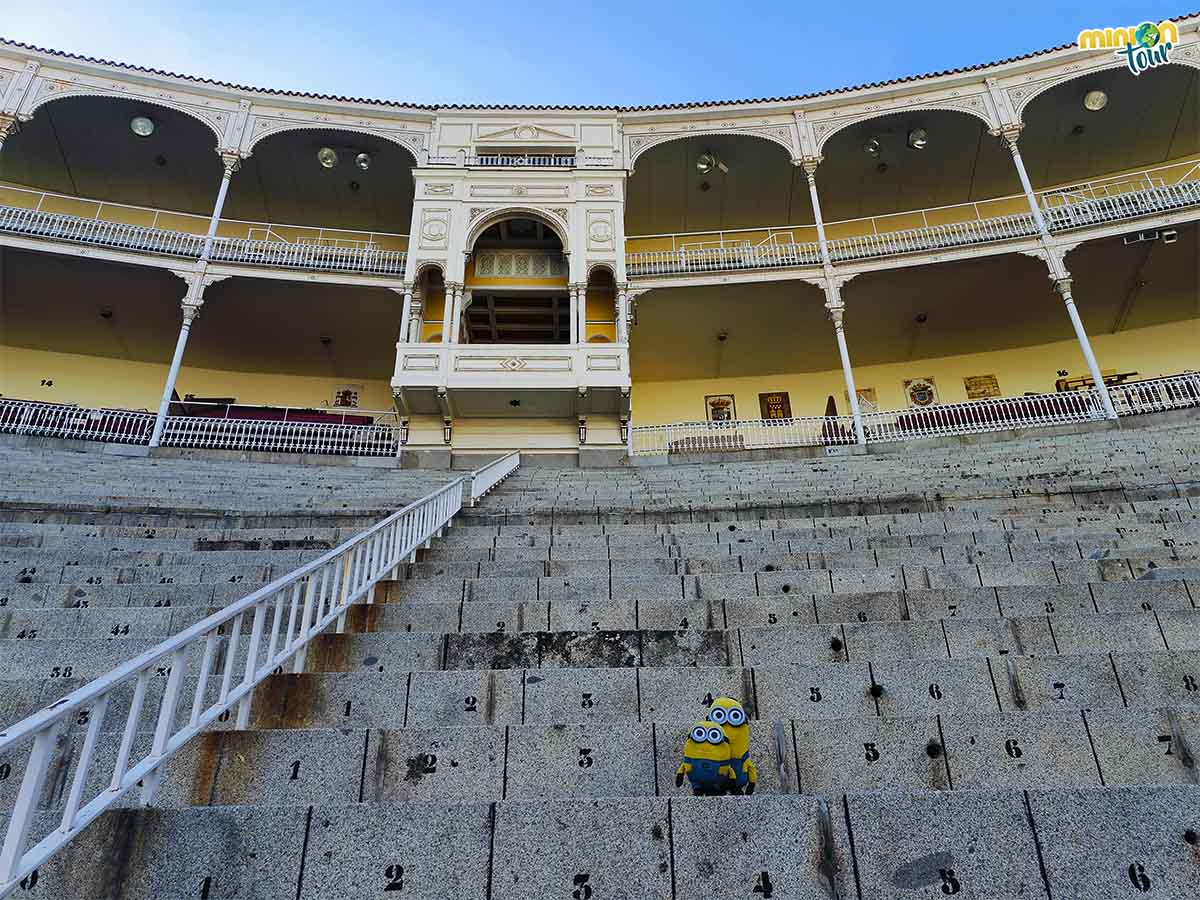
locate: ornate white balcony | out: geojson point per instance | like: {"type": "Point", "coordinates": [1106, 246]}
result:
{"type": "Point", "coordinates": [120, 227]}
{"type": "Point", "coordinates": [469, 376]}
{"type": "Point", "coordinates": [1121, 198]}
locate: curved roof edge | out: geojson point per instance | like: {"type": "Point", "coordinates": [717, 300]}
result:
{"type": "Point", "coordinates": [660, 107]}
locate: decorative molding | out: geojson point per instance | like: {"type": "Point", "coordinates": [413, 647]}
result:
{"type": "Point", "coordinates": [599, 190]}
{"type": "Point", "coordinates": [974, 104]}
{"type": "Point", "coordinates": [435, 229]}
{"type": "Point", "coordinates": [525, 133]}
{"type": "Point", "coordinates": [438, 190]}
{"type": "Point", "coordinates": [782, 135]}
{"type": "Point", "coordinates": [489, 191]}
{"type": "Point", "coordinates": [530, 264]}
{"type": "Point", "coordinates": [266, 126]}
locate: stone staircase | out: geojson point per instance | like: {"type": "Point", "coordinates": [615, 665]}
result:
{"type": "Point", "coordinates": [968, 671]}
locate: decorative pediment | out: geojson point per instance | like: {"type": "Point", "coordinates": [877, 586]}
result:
{"type": "Point", "coordinates": [524, 133]}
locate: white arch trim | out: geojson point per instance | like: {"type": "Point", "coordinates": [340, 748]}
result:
{"type": "Point", "coordinates": [638, 145]}
{"type": "Point", "coordinates": [492, 216]}
{"type": "Point", "coordinates": [413, 149]}
{"type": "Point", "coordinates": [1188, 59]}
{"type": "Point", "coordinates": [216, 125]}
{"type": "Point", "coordinates": [823, 139]}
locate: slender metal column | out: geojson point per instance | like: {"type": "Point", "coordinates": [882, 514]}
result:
{"type": "Point", "coordinates": [417, 321]}
{"type": "Point", "coordinates": [1058, 273]}
{"type": "Point", "coordinates": [191, 309]}
{"type": "Point", "coordinates": [232, 163]}
{"type": "Point", "coordinates": [833, 299]}
{"type": "Point", "coordinates": [837, 310]}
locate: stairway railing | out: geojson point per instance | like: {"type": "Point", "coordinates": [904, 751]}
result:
{"type": "Point", "coordinates": [232, 651]}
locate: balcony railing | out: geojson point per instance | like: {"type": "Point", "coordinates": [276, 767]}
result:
{"type": "Point", "coordinates": [944, 420]}
{"type": "Point", "coordinates": [1098, 202]}
{"type": "Point", "coordinates": [334, 432]}
{"type": "Point", "coordinates": [508, 160]}
{"type": "Point", "coordinates": [281, 246]}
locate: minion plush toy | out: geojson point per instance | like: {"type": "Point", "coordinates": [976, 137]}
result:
{"type": "Point", "coordinates": [706, 761]}
{"type": "Point", "coordinates": [730, 715]}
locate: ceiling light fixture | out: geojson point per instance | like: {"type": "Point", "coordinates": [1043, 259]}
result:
{"type": "Point", "coordinates": [142, 126]}
{"type": "Point", "coordinates": [1095, 100]}
{"type": "Point", "coordinates": [872, 147]}
{"type": "Point", "coordinates": [327, 157]}
{"type": "Point", "coordinates": [707, 161]}
{"type": "Point", "coordinates": [363, 161]}
{"type": "Point", "coordinates": [918, 139]}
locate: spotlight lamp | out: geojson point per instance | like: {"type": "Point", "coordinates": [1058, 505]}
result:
{"type": "Point", "coordinates": [707, 161]}
{"type": "Point", "coordinates": [1095, 100]}
{"type": "Point", "coordinates": [872, 147]}
{"type": "Point", "coordinates": [918, 139]}
{"type": "Point", "coordinates": [142, 126]}
{"type": "Point", "coordinates": [327, 157]}
{"type": "Point", "coordinates": [363, 161]}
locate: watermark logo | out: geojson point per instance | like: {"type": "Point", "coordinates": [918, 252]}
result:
{"type": "Point", "coordinates": [1141, 46]}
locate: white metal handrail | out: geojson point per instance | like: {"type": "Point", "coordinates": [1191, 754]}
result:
{"type": "Point", "coordinates": [123, 426]}
{"type": "Point", "coordinates": [487, 477]}
{"type": "Point", "coordinates": [148, 239]}
{"type": "Point", "coordinates": [742, 434]}
{"type": "Point", "coordinates": [232, 662]}
{"type": "Point", "coordinates": [980, 416]}
{"type": "Point", "coordinates": [941, 420]}
{"type": "Point", "coordinates": [1095, 202]}
{"type": "Point", "coordinates": [508, 160]}
{"type": "Point", "coordinates": [1156, 394]}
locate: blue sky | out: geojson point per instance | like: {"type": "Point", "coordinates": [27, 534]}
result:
{"type": "Point", "coordinates": [569, 52]}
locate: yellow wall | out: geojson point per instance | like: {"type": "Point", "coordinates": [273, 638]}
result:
{"type": "Point", "coordinates": [1159, 350]}
{"type": "Point", "coordinates": [101, 381]}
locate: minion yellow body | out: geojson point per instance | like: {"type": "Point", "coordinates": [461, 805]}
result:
{"type": "Point", "coordinates": [729, 714]}
{"type": "Point", "coordinates": [706, 761]}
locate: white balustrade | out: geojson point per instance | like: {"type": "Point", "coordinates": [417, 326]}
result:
{"type": "Point", "coordinates": [1156, 394]}
{"type": "Point", "coordinates": [231, 652]}
{"type": "Point", "coordinates": [941, 420]}
{"type": "Point", "coordinates": [321, 251]}
{"type": "Point", "coordinates": [739, 434]}
{"type": "Point", "coordinates": [1114, 199]}
{"type": "Point", "coordinates": [121, 426]}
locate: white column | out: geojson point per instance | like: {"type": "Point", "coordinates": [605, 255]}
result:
{"type": "Point", "coordinates": [232, 163]}
{"type": "Point", "coordinates": [405, 313]}
{"type": "Point", "coordinates": [583, 314]}
{"type": "Point", "coordinates": [448, 306]}
{"type": "Point", "coordinates": [191, 304]}
{"type": "Point", "coordinates": [1063, 286]}
{"type": "Point", "coordinates": [622, 314]}
{"type": "Point", "coordinates": [1058, 272]}
{"type": "Point", "coordinates": [837, 310]}
{"type": "Point", "coordinates": [573, 309]}
{"type": "Point", "coordinates": [833, 298]}
{"type": "Point", "coordinates": [417, 320]}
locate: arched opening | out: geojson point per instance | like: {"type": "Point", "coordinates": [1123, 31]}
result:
{"type": "Point", "coordinates": [516, 285]}
{"type": "Point", "coordinates": [86, 147]}
{"type": "Point", "coordinates": [713, 183]}
{"type": "Point", "coordinates": [910, 161]}
{"type": "Point", "coordinates": [349, 188]}
{"type": "Point", "coordinates": [1143, 122]}
{"type": "Point", "coordinates": [428, 319]}
{"type": "Point", "coordinates": [601, 317]}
